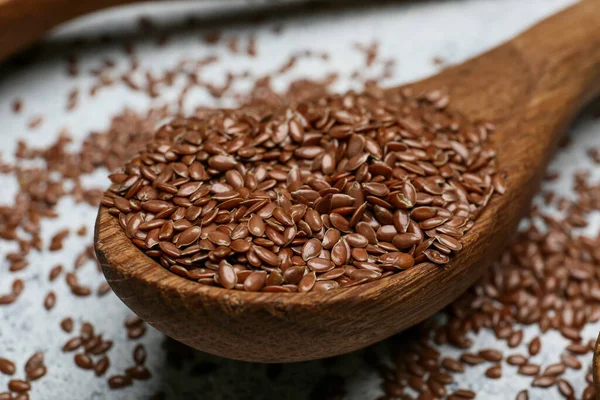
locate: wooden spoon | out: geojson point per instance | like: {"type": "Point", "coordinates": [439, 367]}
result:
{"type": "Point", "coordinates": [22, 22]}
{"type": "Point", "coordinates": [531, 87]}
{"type": "Point", "coordinates": [596, 368]}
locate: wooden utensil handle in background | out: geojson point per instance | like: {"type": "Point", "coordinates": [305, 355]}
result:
{"type": "Point", "coordinates": [596, 367]}
{"type": "Point", "coordinates": [564, 51]}
{"type": "Point", "coordinates": [22, 22]}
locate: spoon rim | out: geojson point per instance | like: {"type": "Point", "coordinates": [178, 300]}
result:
{"type": "Point", "coordinates": [166, 280]}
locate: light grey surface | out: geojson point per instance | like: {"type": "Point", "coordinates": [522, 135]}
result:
{"type": "Point", "coordinates": [411, 33]}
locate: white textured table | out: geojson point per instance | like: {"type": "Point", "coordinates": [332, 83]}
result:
{"type": "Point", "coordinates": [411, 33]}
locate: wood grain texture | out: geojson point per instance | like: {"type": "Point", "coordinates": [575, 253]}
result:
{"type": "Point", "coordinates": [596, 368]}
{"type": "Point", "coordinates": [531, 87]}
{"type": "Point", "coordinates": [22, 22]}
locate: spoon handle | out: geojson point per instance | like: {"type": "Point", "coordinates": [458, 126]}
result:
{"type": "Point", "coordinates": [24, 21]}
{"type": "Point", "coordinates": [563, 52]}
{"type": "Point", "coordinates": [596, 367]}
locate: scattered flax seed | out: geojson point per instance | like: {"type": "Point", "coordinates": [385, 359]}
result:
{"type": "Point", "coordinates": [233, 44]}
{"type": "Point", "coordinates": [103, 289]}
{"type": "Point", "coordinates": [494, 372]}
{"type": "Point", "coordinates": [50, 301]}
{"type": "Point", "coordinates": [18, 386]}
{"type": "Point", "coordinates": [136, 332]}
{"type": "Point", "coordinates": [7, 367]}
{"type": "Point", "coordinates": [370, 51]}
{"type": "Point", "coordinates": [594, 154]}
{"type": "Point", "coordinates": [102, 366]}
{"type": "Point", "coordinates": [67, 324]}
{"type": "Point", "coordinates": [543, 381]}
{"type": "Point", "coordinates": [522, 395]}
{"type": "Point", "coordinates": [438, 61]}
{"type": "Point", "coordinates": [212, 38]}
{"type": "Point", "coordinates": [251, 46]}
{"type": "Point", "coordinates": [56, 242]}
{"type": "Point", "coordinates": [17, 106]}
{"type": "Point", "coordinates": [55, 272]}
{"type": "Point", "coordinates": [35, 122]}
{"type": "Point", "coordinates": [535, 346]}
{"type": "Point", "coordinates": [73, 99]}
{"type": "Point", "coordinates": [119, 381]}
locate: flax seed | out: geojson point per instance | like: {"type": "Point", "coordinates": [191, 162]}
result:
{"type": "Point", "coordinates": [7, 367]}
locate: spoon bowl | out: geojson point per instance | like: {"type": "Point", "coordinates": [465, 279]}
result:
{"type": "Point", "coordinates": [531, 87]}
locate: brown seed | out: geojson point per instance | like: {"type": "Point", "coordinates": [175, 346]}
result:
{"type": "Point", "coordinates": [339, 222]}
{"type": "Point", "coordinates": [494, 372]}
{"type": "Point", "coordinates": [240, 246]}
{"type": "Point", "coordinates": [516, 359]}
{"type": "Point", "coordinates": [471, 359]}
{"type": "Point", "coordinates": [222, 163]}
{"type": "Point", "coordinates": [326, 285]}
{"type": "Point", "coordinates": [565, 389]}
{"type": "Point", "coordinates": [283, 216]}
{"type": "Point", "coordinates": [266, 256]}
{"type": "Point", "coordinates": [307, 282]}
{"type": "Point", "coordinates": [452, 365]}
{"type": "Point", "coordinates": [101, 366]}
{"type": "Point", "coordinates": [405, 240]}
{"type": "Point", "coordinates": [554, 369]}
{"type": "Point", "coordinates": [534, 346]}
{"type": "Point", "coordinates": [227, 276]}
{"type": "Point", "coordinates": [189, 236]}
{"type": "Point", "coordinates": [332, 236]}
{"type": "Point", "coordinates": [436, 257]}
{"type": "Point", "coordinates": [72, 344]}
{"type": "Point", "coordinates": [436, 388]}
{"type": "Point", "coordinates": [529, 369]}
{"type": "Point", "coordinates": [522, 395]}
{"type": "Point", "coordinates": [543, 381]}
{"type": "Point", "coordinates": [7, 367]}
{"type": "Point", "coordinates": [255, 281]}
{"type": "Point", "coordinates": [19, 386]}
{"type": "Point", "coordinates": [578, 348]}
{"type": "Point", "coordinates": [320, 265]}
{"type": "Point", "coordinates": [35, 361]}
{"type": "Point", "coordinates": [81, 291]}
{"type": "Point", "coordinates": [50, 301]}
{"type": "Point", "coordinates": [464, 394]}
{"type": "Point", "coordinates": [139, 354]}
{"type": "Point", "coordinates": [570, 361]}
{"type": "Point", "coordinates": [256, 225]}
{"type": "Point", "coordinates": [36, 373]}
{"type": "Point", "coordinates": [491, 355]}
{"type": "Point", "coordinates": [293, 274]}
{"type": "Point", "coordinates": [311, 249]}
{"type": "Point", "coordinates": [589, 393]}
{"type": "Point", "coordinates": [515, 338]}
{"type": "Point", "coordinates": [86, 331]}
{"type": "Point", "coordinates": [364, 274]}
{"type": "Point", "coordinates": [219, 238]}
{"type": "Point", "coordinates": [55, 272]}
{"type": "Point", "coordinates": [84, 361]}
{"type": "Point", "coordinates": [119, 381]}
{"type": "Point", "coordinates": [313, 219]}
{"type": "Point", "coordinates": [67, 324]}
{"type": "Point", "coordinates": [103, 289]}
{"type": "Point", "coordinates": [138, 372]}
{"type": "Point", "coordinates": [339, 253]}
